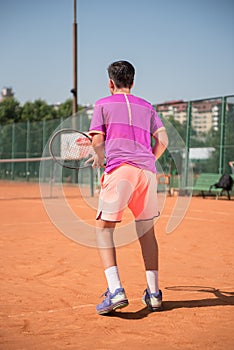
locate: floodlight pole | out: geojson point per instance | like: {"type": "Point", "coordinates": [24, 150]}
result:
{"type": "Point", "coordinates": [74, 90]}
{"type": "Point", "coordinates": [222, 136]}
{"type": "Point", "coordinates": [187, 144]}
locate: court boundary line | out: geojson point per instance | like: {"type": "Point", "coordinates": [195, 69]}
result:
{"type": "Point", "coordinates": [50, 311]}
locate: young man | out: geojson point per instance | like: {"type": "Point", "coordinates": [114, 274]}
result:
{"type": "Point", "coordinates": [121, 130]}
{"type": "Point", "coordinates": [231, 164]}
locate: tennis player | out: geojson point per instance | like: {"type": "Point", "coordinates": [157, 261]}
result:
{"type": "Point", "coordinates": [121, 130]}
{"type": "Point", "coordinates": [231, 164]}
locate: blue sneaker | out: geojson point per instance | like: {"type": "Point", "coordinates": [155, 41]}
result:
{"type": "Point", "coordinates": [112, 301]}
{"type": "Point", "coordinates": [152, 300]}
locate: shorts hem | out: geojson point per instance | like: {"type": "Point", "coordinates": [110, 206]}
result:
{"type": "Point", "coordinates": [153, 217]}
{"type": "Point", "coordinates": [102, 216]}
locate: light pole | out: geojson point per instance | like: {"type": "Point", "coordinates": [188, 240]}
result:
{"type": "Point", "coordinates": [74, 89]}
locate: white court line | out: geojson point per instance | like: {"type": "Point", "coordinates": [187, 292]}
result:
{"type": "Point", "coordinates": [25, 223]}
{"type": "Point", "coordinates": [40, 222]}
{"type": "Point", "coordinates": [76, 307]}
{"type": "Point", "coordinates": [216, 212]}
{"type": "Point", "coordinates": [92, 220]}
{"type": "Point", "coordinates": [196, 218]}
{"type": "Point", "coordinates": [190, 218]}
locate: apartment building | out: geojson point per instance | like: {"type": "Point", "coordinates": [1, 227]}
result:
{"type": "Point", "coordinates": [6, 93]}
{"type": "Point", "coordinates": [205, 114]}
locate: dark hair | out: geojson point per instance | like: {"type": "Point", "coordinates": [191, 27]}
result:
{"type": "Point", "coordinates": [122, 73]}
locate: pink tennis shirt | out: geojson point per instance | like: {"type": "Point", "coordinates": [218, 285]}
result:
{"type": "Point", "coordinates": [127, 122]}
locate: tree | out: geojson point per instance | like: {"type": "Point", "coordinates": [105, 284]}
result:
{"type": "Point", "coordinates": [10, 111]}
{"type": "Point", "coordinates": [65, 109]}
{"type": "Point", "coordinates": [38, 111]}
{"type": "Point", "coordinates": [180, 128]}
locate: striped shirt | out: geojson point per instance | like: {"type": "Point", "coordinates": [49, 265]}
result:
{"type": "Point", "coordinates": [127, 123]}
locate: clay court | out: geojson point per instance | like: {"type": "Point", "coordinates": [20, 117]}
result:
{"type": "Point", "coordinates": [50, 285]}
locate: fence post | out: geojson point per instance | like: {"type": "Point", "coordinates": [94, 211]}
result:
{"type": "Point", "coordinates": [27, 148]}
{"type": "Point", "coordinates": [43, 145]}
{"type": "Point", "coordinates": [222, 135]}
{"type": "Point", "coordinates": [187, 145]}
{"type": "Point", "coordinates": [43, 134]}
{"type": "Point", "coordinates": [13, 152]}
{"type": "Point", "coordinates": [91, 182]}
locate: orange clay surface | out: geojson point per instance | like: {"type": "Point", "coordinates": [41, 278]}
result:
{"type": "Point", "coordinates": [50, 285]}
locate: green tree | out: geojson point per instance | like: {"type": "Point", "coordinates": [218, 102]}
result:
{"type": "Point", "coordinates": [65, 109]}
{"type": "Point", "coordinates": [180, 128]}
{"type": "Point", "coordinates": [10, 111]}
{"type": "Point", "coordinates": [38, 111]}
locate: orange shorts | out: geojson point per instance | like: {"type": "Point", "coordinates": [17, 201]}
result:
{"type": "Point", "coordinates": [128, 186]}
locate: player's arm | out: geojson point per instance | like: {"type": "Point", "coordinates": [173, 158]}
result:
{"type": "Point", "coordinates": [99, 148]}
{"type": "Point", "coordinates": [161, 143]}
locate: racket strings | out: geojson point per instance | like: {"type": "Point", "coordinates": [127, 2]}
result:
{"type": "Point", "coordinates": [75, 148]}
{"type": "Point", "coordinates": [71, 148]}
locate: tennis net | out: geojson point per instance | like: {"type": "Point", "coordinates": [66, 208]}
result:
{"type": "Point", "coordinates": [40, 177]}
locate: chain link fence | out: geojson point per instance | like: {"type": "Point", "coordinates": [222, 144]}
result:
{"type": "Point", "coordinates": [205, 128]}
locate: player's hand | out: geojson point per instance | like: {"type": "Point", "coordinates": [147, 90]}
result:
{"type": "Point", "coordinates": [97, 162]}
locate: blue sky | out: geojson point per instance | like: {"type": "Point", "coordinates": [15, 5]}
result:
{"type": "Point", "coordinates": [181, 49]}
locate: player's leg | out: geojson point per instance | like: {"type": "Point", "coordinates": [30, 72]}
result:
{"type": "Point", "coordinates": [145, 207]}
{"type": "Point", "coordinates": [148, 242]}
{"type": "Point", "coordinates": [115, 296]}
{"type": "Point", "coordinates": [149, 248]}
{"type": "Point", "coordinates": [105, 242]}
{"type": "Point", "coordinates": [116, 191]}
{"type": "Point", "coordinates": [152, 296]}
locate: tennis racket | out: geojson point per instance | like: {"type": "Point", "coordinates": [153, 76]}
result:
{"type": "Point", "coordinates": [71, 148]}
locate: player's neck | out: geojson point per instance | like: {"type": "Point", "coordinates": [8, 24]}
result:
{"type": "Point", "coordinates": [122, 91]}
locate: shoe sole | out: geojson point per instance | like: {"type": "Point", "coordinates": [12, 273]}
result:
{"type": "Point", "coordinates": [118, 305]}
{"type": "Point", "coordinates": [151, 308]}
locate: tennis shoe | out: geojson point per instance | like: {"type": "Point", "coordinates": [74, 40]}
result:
{"type": "Point", "coordinates": [112, 301]}
{"type": "Point", "coordinates": [152, 300]}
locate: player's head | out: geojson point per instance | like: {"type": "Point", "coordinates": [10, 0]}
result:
{"type": "Point", "coordinates": [122, 74]}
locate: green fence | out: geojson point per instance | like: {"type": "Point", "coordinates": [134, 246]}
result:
{"type": "Point", "coordinates": [205, 128]}
{"type": "Point", "coordinates": [23, 144]}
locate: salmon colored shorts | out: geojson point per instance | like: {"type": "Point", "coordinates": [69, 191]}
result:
{"type": "Point", "coordinates": [128, 186]}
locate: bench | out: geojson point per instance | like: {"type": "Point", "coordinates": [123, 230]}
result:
{"type": "Point", "coordinates": [204, 182]}
{"type": "Point", "coordinates": [163, 181]}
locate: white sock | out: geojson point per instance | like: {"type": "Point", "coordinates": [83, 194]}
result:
{"type": "Point", "coordinates": [152, 280]}
{"type": "Point", "coordinates": [112, 276]}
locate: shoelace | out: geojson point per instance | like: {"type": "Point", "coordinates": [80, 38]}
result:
{"type": "Point", "coordinates": [105, 293]}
